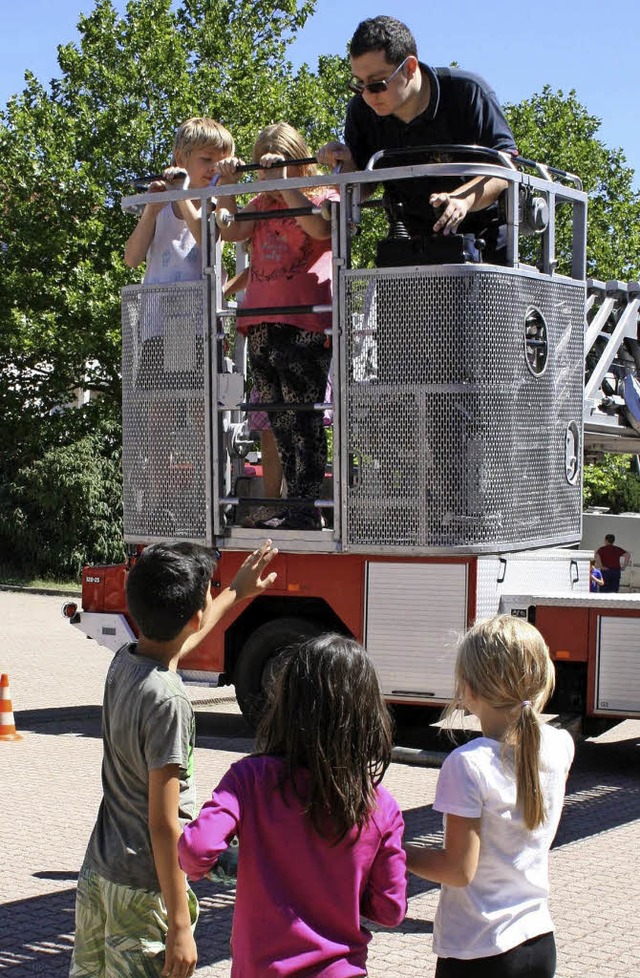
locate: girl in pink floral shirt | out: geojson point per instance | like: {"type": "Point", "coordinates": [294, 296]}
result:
{"type": "Point", "coordinates": [289, 351]}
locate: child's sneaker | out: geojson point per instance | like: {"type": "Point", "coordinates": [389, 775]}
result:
{"type": "Point", "coordinates": [274, 522]}
{"type": "Point", "coordinates": [257, 516]}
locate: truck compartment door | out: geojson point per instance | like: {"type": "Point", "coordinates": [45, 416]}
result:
{"type": "Point", "coordinates": [617, 686]}
{"type": "Point", "coordinates": [414, 613]}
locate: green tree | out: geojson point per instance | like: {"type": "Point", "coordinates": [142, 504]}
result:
{"type": "Point", "coordinates": [67, 157]}
{"type": "Point", "coordinates": [613, 482]}
{"type": "Point", "coordinates": [554, 128]}
{"type": "Point", "coordinates": [65, 509]}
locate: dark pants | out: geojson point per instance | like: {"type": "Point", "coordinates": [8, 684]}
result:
{"type": "Point", "coordinates": [288, 365]}
{"type": "Point", "coordinates": [611, 580]}
{"type": "Point", "coordinates": [536, 958]}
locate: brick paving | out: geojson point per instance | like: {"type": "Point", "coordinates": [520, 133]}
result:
{"type": "Point", "coordinates": [50, 790]}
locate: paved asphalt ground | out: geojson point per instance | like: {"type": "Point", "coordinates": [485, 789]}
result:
{"type": "Point", "coordinates": [50, 790]}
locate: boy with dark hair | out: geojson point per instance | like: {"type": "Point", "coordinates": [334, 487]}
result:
{"type": "Point", "coordinates": [399, 103]}
{"type": "Point", "coordinates": [134, 911]}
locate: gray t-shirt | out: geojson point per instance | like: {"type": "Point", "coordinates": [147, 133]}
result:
{"type": "Point", "coordinates": [147, 723]}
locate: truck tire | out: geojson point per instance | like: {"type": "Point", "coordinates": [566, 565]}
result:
{"type": "Point", "coordinates": [257, 657]}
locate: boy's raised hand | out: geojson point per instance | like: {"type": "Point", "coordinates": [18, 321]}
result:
{"type": "Point", "coordinates": [248, 580]}
{"type": "Point", "coordinates": [247, 583]}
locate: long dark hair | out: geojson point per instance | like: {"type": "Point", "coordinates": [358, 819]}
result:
{"type": "Point", "coordinates": [325, 714]}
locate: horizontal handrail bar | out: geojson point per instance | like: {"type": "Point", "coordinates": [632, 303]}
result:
{"type": "Point", "coordinates": [276, 310]}
{"type": "Point", "coordinates": [284, 501]}
{"type": "Point", "coordinates": [246, 167]}
{"type": "Point", "coordinates": [493, 155]}
{"type": "Point", "coordinates": [253, 407]}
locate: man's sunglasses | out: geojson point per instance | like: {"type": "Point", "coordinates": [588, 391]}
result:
{"type": "Point", "coordinates": [376, 87]}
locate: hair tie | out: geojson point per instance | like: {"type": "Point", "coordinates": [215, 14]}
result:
{"type": "Point", "coordinates": [525, 703]}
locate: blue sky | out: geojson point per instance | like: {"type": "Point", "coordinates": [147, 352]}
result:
{"type": "Point", "coordinates": [572, 44]}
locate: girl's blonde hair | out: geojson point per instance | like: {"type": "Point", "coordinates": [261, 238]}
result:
{"type": "Point", "coordinates": [506, 662]}
{"type": "Point", "coordinates": [283, 139]}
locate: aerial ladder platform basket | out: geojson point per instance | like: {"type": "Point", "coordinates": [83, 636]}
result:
{"type": "Point", "coordinates": [458, 385]}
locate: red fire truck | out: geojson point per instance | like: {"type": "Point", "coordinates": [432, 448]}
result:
{"type": "Point", "coordinates": [459, 424]}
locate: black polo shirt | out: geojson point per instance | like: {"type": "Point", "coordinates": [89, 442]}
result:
{"type": "Point", "coordinates": [462, 110]}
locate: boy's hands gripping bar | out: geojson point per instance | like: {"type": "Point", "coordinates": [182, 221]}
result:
{"type": "Point", "coordinates": [169, 175]}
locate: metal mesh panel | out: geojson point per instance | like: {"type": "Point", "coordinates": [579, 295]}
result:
{"type": "Point", "coordinates": [453, 439]}
{"type": "Point", "coordinates": [164, 407]}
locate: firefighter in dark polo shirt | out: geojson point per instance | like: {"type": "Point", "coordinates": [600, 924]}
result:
{"type": "Point", "coordinates": [401, 102]}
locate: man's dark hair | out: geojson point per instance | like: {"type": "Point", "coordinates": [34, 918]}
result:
{"type": "Point", "coordinates": [610, 538]}
{"type": "Point", "coordinates": [383, 34]}
{"type": "Point", "coordinates": [166, 586]}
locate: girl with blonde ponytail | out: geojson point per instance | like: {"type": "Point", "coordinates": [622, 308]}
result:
{"type": "Point", "coordinates": [501, 795]}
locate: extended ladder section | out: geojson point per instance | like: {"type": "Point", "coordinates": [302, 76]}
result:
{"type": "Point", "coordinates": [457, 413]}
{"type": "Point", "coordinates": [612, 351]}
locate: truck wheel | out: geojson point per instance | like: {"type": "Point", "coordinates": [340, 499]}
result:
{"type": "Point", "coordinates": [257, 658]}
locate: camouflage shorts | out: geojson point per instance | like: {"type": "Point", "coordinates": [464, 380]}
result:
{"type": "Point", "coordinates": [120, 931]}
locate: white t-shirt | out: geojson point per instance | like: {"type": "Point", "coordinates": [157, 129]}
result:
{"type": "Point", "coordinates": [506, 902]}
{"type": "Point", "coordinates": [173, 254]}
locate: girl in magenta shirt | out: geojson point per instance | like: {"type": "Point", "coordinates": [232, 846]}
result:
{"type": "Point", "coordinates": [289, 352]}
{"type": "Point", "coordinates": [320, 838]}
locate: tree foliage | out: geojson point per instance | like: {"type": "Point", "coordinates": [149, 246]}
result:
{"type": "Point", "coordinates": [554, 128]}
{"type": "Point", "coordinates": [613, 482]}
{"type": "Point", "coordinates": [67, 157]}
{"type": "Point", "coordinates": [65, 509]}
{"type": "Point", "coordinates": [69, 151]}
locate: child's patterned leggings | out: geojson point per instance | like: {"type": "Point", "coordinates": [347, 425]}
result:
{"type": "Point", "coordinates": [291, 365]}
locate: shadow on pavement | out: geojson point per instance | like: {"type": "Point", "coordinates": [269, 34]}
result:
{"type": "Point", "coordinates": [85, 721]}
{"type": "Point", "coordinates": [36, 935]}
{"type": "Point", "coordinates": [231, 725]}
{"type": "Point", "coordinates": [56, 874]}
{"type": "Point", "coordinates": [81, 720]}
{"type": "Point", "coordinates": [603, 793]}
{"type": "Point", "coordinates": [213, 932]}
{"type": "Point", "coordinates": [603, 790]}
{"type": "Point", "coordinates": [410, 925]}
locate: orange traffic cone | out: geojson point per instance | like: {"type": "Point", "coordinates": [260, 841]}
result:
{"type": "Point", "coordinates": [7, 722]}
